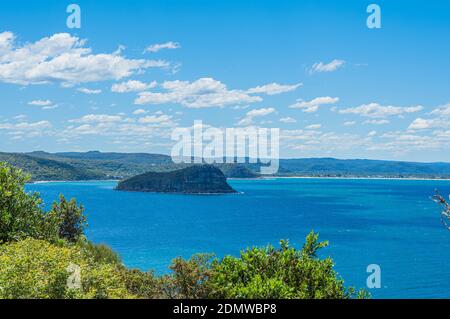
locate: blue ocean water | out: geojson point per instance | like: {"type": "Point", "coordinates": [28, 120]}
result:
{"type": "Point", "coordinates": [392, 223]}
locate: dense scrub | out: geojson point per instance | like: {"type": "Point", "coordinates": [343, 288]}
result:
{"type": "Point", "coordinates": [46, 255]}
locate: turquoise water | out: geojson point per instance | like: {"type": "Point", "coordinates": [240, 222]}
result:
{"type": "Point", "coordinates": [392, 223]}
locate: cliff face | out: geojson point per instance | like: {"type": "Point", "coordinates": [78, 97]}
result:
{"type": "Point", "coordinates": [197, 179]}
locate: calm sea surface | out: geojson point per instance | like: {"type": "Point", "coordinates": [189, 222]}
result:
{"type": "Point", "coordinates": [392, 223]}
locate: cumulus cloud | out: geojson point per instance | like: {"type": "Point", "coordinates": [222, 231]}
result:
{"type": "Point", "coordinates": [313, 127]}
{"type": "Point", "coordinates": [118, 129]}
{"type": "Point", "coordinates": [40, 102]}
{"type": "Point", "coordinates": [376, 122]}
{"type": "Point", "coordinates": [89, 91]}
{"type": "Point", "coordinates": [274, 88]}
{"type": "Point", "coordinates": [288, 120]}
{"type": "Point", "coordinates": [443, 110]}
{"type": "Point", "coordinates": [204, 92]}
{"type": "Point", "coordinates": [375, 110]}
{"type": "Point", "coordinates": [161, 46]}
{"type": "Point", "coordinates": [349, 123]}
{"type": "Point", "coordinates": [132, 86]}
{"type": "Point", "coordinates": [139, 112]}
{"type": "Point", "coordinates": [26, 125]}
{"type": "Point", "coordinates": [44, 104]}
{"type": "Point", "coordinates": [65, 59]}
{"type": "Point", "coordinates": [249, 117]}
{"type": "Point", "coordinates": [327, 67]}
{"type": "Point", "coordinates": [153, 119]}
{"type": "Point", "coordinates": [423, 124]}
{"type": "Point", "coordinates": [313, 105]}
{"type": "Point", "coordinates": [97, 118]}
{"type": "Point", "coordinates": [24, 129]}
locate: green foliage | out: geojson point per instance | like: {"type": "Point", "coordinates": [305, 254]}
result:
{"type": "Point", "coordinates": [101, 253]}
{"type": "Point", "coordinates": [142, 284]}
{"type": "Point", "coordinates": [20, 212]}
{"type": "Point", "coordinates": [69, 219]}
{"type": "Point", "coordinates": [50, 169]}
{"type": "Point", "coordinates": [278, 273]}
{"type": "Point", "coordinates": [33, 268]}
{"type": "Point", "coordinates": [193, 179]}
{"type": "Point", "coordinates": [189, 278]}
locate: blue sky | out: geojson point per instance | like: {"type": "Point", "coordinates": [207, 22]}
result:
{"type": "Point", "coordinates": [135, 71]}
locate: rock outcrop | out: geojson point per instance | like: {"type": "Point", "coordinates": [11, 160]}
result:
{"type": "Point", "coordinates": [196, 179]}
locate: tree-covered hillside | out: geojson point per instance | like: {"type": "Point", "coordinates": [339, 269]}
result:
{"type": "Point", "coordinates": [47, 169]}
{"type": "Point", "coordinates": [98, 165]}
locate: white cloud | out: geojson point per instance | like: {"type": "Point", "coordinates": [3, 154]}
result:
{"type": "Point", "coordinates": [204, 92]}
{"type": "Point", "coordinates": [45, 104]}
{"type": "Point", "coordinates": [24, 129]}
{"type": "Point", "coordinates": [423, 124]}
{"type": "Point", "coordinates": [152, 119]}
{"type": "Point", "coordinates": [313, 127]}
{"type": "Point", "coordinates": [26, 125]}
{"type": "Point", "coordinates": [132, 86]}
{"type": "Point", "coordinates": [372, 133]}
{"type": "Point", "coordinates": [375, 110]}
{"type": "Point", "coordinates": [443, 110]}
{"type": "Point", "coordinates": [376, 122]}
{"type": "Point", "coordinates": [274, 88]}
{"type": "Point", "coordinates": [288, 120]}
{"type": "Point", "coordinates": [97, 118]}
{"type": "Point", "coordinates": [50, 107]}
{"type": "Point", "coordinates": [248, 119]}
{"type": "Point", "coordinates": [327, 67]}
{"type": "Point", "coordinates": [313, 105]}
{"type": "Point", "coordinates": [40, 102]}
{"type": "Point", "coordinates": [160, 46]}
{"type": "Point", "coordinates": [139, 112]}
{"type": "Point", "coordinates": [63, 58]}
{"type": "Point", "coordinates": [349, 123]}
{"type": "Point", "coordinates": [89, 91]}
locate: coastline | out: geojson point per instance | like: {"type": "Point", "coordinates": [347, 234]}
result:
{"type": "Point", "coordinates": [343, 177]}
{"type": "Point", "coordinates": [265, 178]}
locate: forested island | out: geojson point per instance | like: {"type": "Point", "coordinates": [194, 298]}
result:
{"type": "Point", "coordinates": [197, 179]}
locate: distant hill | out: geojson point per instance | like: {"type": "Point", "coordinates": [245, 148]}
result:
{"type": "Point", "coordinates": [123, 165]}
{"type": "Point", "coordinates": [129, 158]}
{"type": "Point", "coordinates": [363, 168]}
{"type": "Point", "coordinates": [46, 169]}
{"type": "Point", "coordinates": [196, 179]}
{"type": "Point", "coordinates": [99, 165]}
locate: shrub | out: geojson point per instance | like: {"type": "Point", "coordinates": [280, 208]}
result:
{"type": "Point", "coordinates": [20, 213]}
{"type": "Point", "coordinates": [69, 219]}
{"type": "Point", "coordinates": [189, 278]}
{"type": "Point", "coordinates": [279, 273]}
{"type": "Point", "coordinates": [100, 253]}
{"type": "Point", "coordinates": [142, 284]}
{"type": "Point", "coordinates": [33, 268]}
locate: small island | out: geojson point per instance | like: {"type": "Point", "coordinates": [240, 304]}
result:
{"type": "Point", "coordinates": [196, 179]}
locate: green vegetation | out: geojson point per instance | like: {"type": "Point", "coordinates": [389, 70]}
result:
{"type": "Point", "coordinates": [96, 165]}
{"type": "Point", "coordinates": [46, 255]}
{"type": "Point", "coordinates": [196, 179]}
{"type": "Point", "coordinates": [50, 169]}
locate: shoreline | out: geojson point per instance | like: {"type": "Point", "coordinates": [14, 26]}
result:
{"type": "Point", "coordinates": [265, 178]}
{"type": "Point", "coordinates": [342, 177]}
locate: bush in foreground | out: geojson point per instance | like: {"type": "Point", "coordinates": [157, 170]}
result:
{"type": "Point", "coordinates": [33, 268]}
